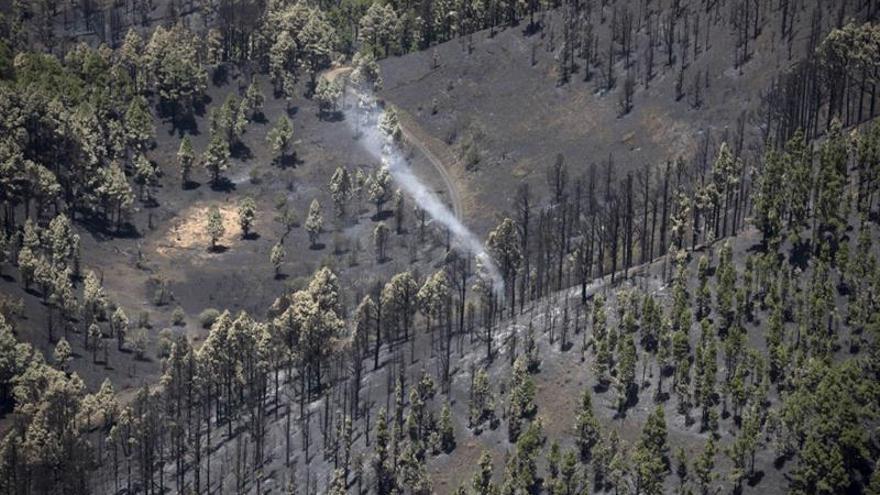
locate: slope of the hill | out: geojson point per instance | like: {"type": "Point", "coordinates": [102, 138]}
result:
{"type": "Point", "coordinates": [500, 105]}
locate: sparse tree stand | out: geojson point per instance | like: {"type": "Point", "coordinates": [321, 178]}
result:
{"type": "Point", "coordinates": [214, 226]}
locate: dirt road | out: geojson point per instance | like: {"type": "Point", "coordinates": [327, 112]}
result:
{"type": "Point", "coordinates": [419, 139]}
{"type": "Point", "coordinates": [423, 142]}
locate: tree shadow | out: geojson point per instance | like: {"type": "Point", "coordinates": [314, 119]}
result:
{"type": "Point", "coordinates": [103, 229]}
{"type": "Point", "coordinates": [220, 75]}
{"type": "Point", "coordinates": [288, 161]}
{"type": "Point", "coordinates": [755, 478]}
{"type": "Point", "coordinates": [259, 118]}
{"type": "Point", "coordinates": [532, 28]}
{"type": "Point", "coordinates": [7, 278]}
{"type": "Point", "coordinates": [281, 276]}
{"type": "Point", "coordinates": [200, 106]}
{"type": "Point", "coordinates": [223, 184]}
{"type": "Point", "coordinates": [251, 236]}
{"type": "Point", "coordinates": [191, 185]}
{"type": "Point", "coordinates": [218, 249]}
{"type": "Point", "coordinates": [334, 116]}
{"type": "Point", "coordinates": [780, 461]}
{"type": "Point", "coordinates": [382, 215]}
{"type": "Point", "coordinates": [184, 124]}
{"type": "Point", "coordinates": [318, 246]}
{"type": "Point", "coordinates": [800, 253]}
{"type": "Point", "coordinates": [241, 151]}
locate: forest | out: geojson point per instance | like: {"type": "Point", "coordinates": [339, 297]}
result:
{"type": "Point", "coordinates": [470, 247]}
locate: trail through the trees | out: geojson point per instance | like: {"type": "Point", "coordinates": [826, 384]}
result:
{"type": "Point", "coordinates": [419, 139]}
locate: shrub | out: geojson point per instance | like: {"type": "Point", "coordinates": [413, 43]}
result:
{"type": "Point", "coordinates": [138, 343]}
{"type": "Point", "coordinates": [178, 316]}
{"type": "Point", "coordinates": [208, 317]}
{"type": "Point", "coordinates": [166, 339]}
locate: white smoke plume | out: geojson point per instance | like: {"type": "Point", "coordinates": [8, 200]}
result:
{"type": "Point", "coordinates": [387, 151]}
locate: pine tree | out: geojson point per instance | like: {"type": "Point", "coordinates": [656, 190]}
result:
{"type": "Point", "coordinates": [681, 468]}
{"type": "Point", "coordinates": [276, 257]}
{"type": "Point", "coordinates": [726, 287]}
{"type": "Point", "coordinates": [327, 93]}
{"type": "Point", "coordinates": [482, 403]}
{"type": "Point", "coordinates": [145, 176]}
{"type": "Point", "coordinates": [253, 100]}
{"type": "Point", "coordinates": [185, 160]}
{"type": "Point", "coordinates": [62, 354]}
{"type": "Point", "coordinates": [381, 234]}
{"type": "Point", "coordinates": [340, 190]}
{"type": "Point", "coordinates": [704, 467]}
{"type": "Point", "coordinates": [214, 226]}
{"type": "Point", "coordinates": [216, 157]}
{"type": "Point", "coordinates": [626, 373]}
{"type": "Point", "coordinates": [119, 324]}
{"type": "Point", "coordinates": [654, 435]}
{"type": "Point", "coordinates": [247, 212]}
{"type": "Point", "coordinates": [314, 222]}
{"type": "Point", "coordinates": [447, 433]}
{"type": "Point", "coordinates": [481, 483]}
{"type": "Point", "coordinates": [389, 124]}
{"type": "Point", "coordinates": [569, 474]}
{"type": "Point", "coordinates": [830, 185]}
{"type": "Point", "coordinates": [522, 399]}
{"type": "Point", "coordinates": [139, 127]}
{"type": "Point", "coordinates": [281, 138]}
{"type": "Point", "coordinates": [587, 433]}
{"type": "Point", "coordinates": [382, 461]}
{"type": "Point", "coordinates": [504, 247]}
{"type": "Point", "coordinates": [115, 193]}
{"type": "Point", "coordinates": [554, 459]}
{"type": "Point", "coordinates": [521, 475]}
{"type": "Point", "coordinates": [95, 337]}
{"type": "Point", "coordinates": [379, 187]}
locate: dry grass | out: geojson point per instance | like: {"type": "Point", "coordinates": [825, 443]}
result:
{"type": "Point", "coordinates": [189, 230]}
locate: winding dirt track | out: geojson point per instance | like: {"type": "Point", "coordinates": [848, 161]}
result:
{"type": "Point", "coordinates": [419, 139]}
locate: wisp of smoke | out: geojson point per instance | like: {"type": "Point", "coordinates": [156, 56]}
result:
{"type": "Point", "coordinates": [383, 148]}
